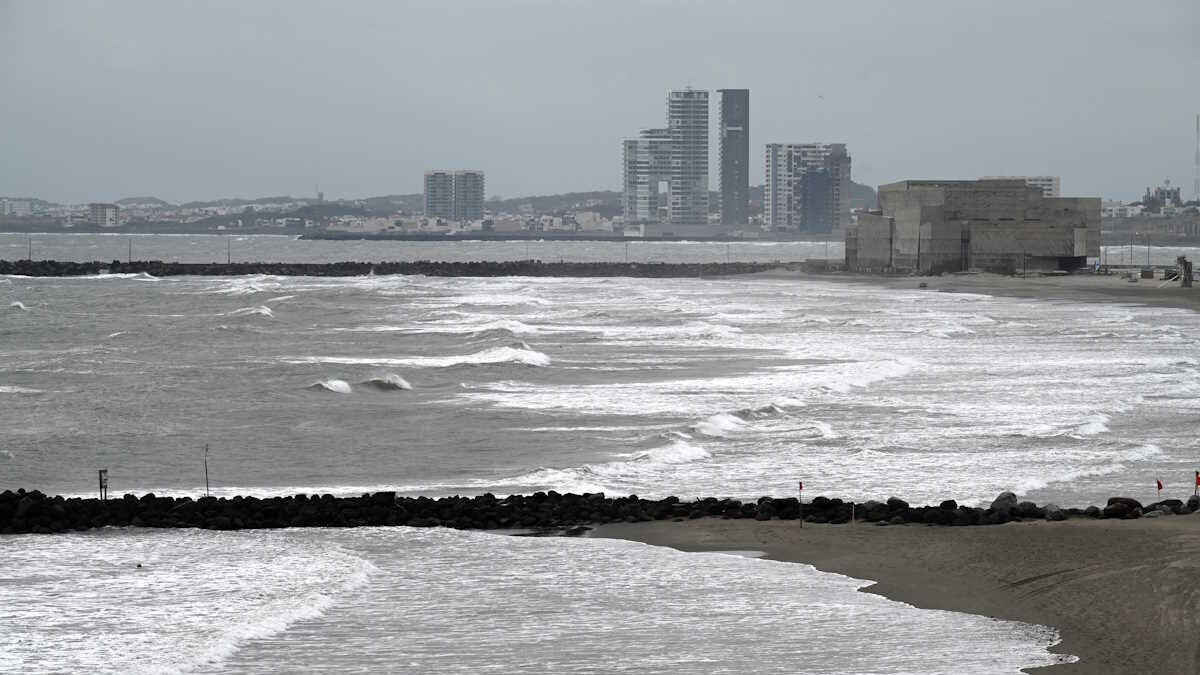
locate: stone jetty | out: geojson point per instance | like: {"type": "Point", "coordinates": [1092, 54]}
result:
{"type": "Point", "coordinates": [521, 268]}
{"type": "Point", "coordinates": [33, 512]}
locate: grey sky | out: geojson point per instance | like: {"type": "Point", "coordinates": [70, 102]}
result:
{"type": "Point", "coordinates": [103, 100]}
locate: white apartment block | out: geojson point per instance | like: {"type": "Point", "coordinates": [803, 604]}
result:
{"type": "Point", "coordinates": [454, 195]}
{"type": "Point", "coordinates": [687, 125]}
{"type": "Point", "coordinates": [104, 215]}
{"type": "Point", "coordinates": [647, 166]}
{"type": "Point", "coordinates": [1051, 186]}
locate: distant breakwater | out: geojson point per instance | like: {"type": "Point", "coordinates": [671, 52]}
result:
{"type": "Point", "coordinates": [33, 512]}
{"type": "Point", "coordinates": [524, 268]}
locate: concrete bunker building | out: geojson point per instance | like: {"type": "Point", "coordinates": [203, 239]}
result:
{"type": "Point", "coordinates": [997, 225]}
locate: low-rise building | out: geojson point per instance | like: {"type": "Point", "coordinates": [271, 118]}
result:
{"type": "Point", "coordinates": [934, 226]}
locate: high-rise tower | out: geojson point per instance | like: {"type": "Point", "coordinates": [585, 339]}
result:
{"type": "Point", "coordinates": [735, 156]}
{"type": "Point", "coordinates": [687, 124]}
{"type": "Point", "coordinates": [807, 187]}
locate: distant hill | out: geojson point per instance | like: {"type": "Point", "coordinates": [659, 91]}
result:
{"type": "Point", "coordinates": [245, 202]}
{"type": "Point", "coordinates": [599, 200]}
{"type": "Point", "coordinates": [149, 201]}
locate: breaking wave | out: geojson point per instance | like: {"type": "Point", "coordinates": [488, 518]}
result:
{"type": "Point", "coordinates": [261, 310]}
{"type": "Point", "coordinates": [18, 390]}
{"type": "Point", "coordinates": [623, 474]}
{"type": "Point", "coordinates": [494, 356]}
{"type": "Point", "coordinates": [389, 382]}
{"type": "Point", "coordinates": [1092, 425]}
{"type": "Point", "coordinates": [335, 386]}
{"type": "Point", "coordinates": [1138, 453]}
{"type": "Point", "coordinates": [720, 425]}
{"type": "Point", "coordinates": [17, 304]}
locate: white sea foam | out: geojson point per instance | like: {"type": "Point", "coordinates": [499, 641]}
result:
{"type": "Point", "coordinates": [496, 355]}
{"type": "Point", "coordinates": [261, 310]}
{"type": "Point", "coordinates": [5, 389]}
{"type": "Point", "coordinates": [1093, 424]}
{"type": "Point", "coordinates": [618, 475]}
{"type": "Point", "coordinates": [720, 425]}
{"type": "Point", "coordinates": [17, 304]}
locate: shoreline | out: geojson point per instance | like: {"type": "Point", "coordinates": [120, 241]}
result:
{"type": "Point", "coordinates": [1069, 288]}
{"type": "Point", "coordinates": [1122, 594]}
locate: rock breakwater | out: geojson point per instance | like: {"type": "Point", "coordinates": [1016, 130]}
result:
{"type": "Point", "coordinates": [34, 512]}
{"type": "Point", "coordinates": [524, 268]}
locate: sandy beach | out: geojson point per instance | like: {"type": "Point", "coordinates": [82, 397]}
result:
{"type": "Point", "coordinates": [1123, 594]}
{"type": "Point", "coordinates": [1071, 288]}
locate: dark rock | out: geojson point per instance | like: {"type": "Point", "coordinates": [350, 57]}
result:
{"type": "Point", "coordinates": [1053, 512]}
{"type": "Point", "coordinates": [948, 505]}
{"type": "Point", "coordinates": [1005, 501]}
{"type": "Point", "coordinates": [1127, 501]}
{"type": "Point", "coordinates": [1028, 510]}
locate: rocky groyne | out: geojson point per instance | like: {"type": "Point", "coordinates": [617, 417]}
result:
{"type": "Point", "coordinates": [33, 512]}
{"type": "Point", "coordinates": [524, 268]}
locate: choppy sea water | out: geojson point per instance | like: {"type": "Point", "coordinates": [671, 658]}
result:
{"type": "Point", "coordinates": [691, 387]}
{"type": "Point", "coordinates": [402, 600]}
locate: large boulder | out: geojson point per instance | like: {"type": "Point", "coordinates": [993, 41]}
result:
{"type": "Point", "coordinates": [1127, 501]}
{"type": "Point", "coordinates": [1193, 504]}
{"type": "Point", "coordinates": [1117, 510]}
{"type": "Point", "coordinates": [1005, 501]}
{"type": "Point", "coordinates": [1028, 510]}
{"type": "Point", "coordinates": [1054, 512]}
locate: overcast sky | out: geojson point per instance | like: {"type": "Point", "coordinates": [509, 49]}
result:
{"type": "Point", "coordinates": [200, 100]}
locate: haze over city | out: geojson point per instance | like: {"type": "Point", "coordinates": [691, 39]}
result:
{"type": "Point", "coordinates": [231, 99]}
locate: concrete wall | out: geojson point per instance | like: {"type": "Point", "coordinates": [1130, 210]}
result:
{"type": "Point", "coordinates": [997, 225]}
{"type": "Point", "coordinates": [871, 239]}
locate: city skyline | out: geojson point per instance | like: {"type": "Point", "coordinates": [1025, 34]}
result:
{"type": "Point", "coordinates": [199, 102]}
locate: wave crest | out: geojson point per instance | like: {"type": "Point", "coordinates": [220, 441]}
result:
{"type": "Point", "coordinates": [260, 310]}
{"type": "Point", "coordinates": [389, 382]}
{"type": "Point", "coordinates": [332, 385]}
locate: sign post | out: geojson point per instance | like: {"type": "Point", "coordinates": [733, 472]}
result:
{"type": "Point", "coordinates": [103, 474]}
{"type": "Point", "coordinates": [206, 492]}
{"type": "Point", "coordinates": [801, 492]}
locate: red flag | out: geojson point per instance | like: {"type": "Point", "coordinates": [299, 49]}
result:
{"type": "Point", "coordinates": [1198, 478]}
{"type": "Point", "coordinates": [1159, 483]}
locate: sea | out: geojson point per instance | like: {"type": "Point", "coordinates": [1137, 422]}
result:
{"type": "Point", "coordinates": [736, 387]}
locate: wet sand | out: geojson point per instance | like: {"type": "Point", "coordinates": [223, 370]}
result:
{"type": "Point", "coordinates": [1125, 595]}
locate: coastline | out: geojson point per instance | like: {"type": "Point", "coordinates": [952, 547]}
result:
{"type": "Point", "coordinates": [1070, 288]}
{"type": "Point", "coordinates": [1122, 594]}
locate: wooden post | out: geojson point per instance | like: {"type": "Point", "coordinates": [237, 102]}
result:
{"type": "Point", "coordinates": [129, 257]}
{"type": "Point", "coordinates": [206, 492]}
{"type": "Point", "coordinates": [228, 252]}
{"type": "Point", "coordinates": [103, 476]}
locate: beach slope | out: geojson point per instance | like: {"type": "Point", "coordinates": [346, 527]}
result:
{"type": "Point", "coordinates": [1123, 594]}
